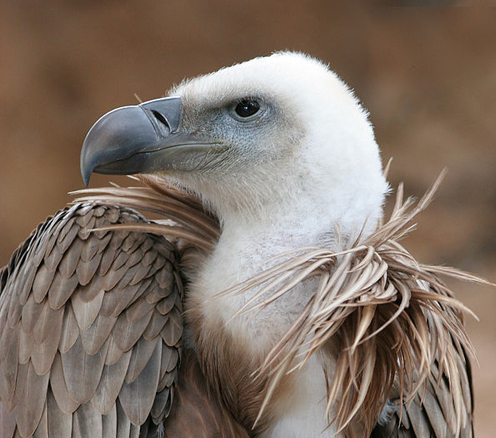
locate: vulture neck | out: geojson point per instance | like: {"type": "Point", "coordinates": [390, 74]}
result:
{"type": "Point", "coordinates": [245, 247]}
{"type": "Point", "coordinates": [250, 240]}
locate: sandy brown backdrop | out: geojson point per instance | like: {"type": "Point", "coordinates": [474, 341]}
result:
{"type": "Point", "coordinates": [427, 75]}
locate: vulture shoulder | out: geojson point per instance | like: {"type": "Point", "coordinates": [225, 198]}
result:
{"type": "Point", "coordinates": [90, 335]}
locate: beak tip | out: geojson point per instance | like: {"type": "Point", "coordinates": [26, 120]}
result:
{"type": "Point", "coordinates": [86, 180]}
{"type": "Point", "coordinates": [86, 168]}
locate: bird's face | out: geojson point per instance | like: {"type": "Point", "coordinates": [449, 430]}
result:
{"type": "Point", "coordinates": [248, 130]}
{"type": "Point", "coordinates": [250, 135]}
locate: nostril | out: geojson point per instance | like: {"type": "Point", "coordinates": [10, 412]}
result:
{"type": "Point", "coordinates": [161, 119]}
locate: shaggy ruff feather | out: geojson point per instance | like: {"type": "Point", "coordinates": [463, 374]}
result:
{"type": "Point", "coordinates": [389, 320]}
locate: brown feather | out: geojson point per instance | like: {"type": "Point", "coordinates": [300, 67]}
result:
{"type": "Point", "coordinates": [29, 409]}
{"type": "Point", "coordinates": [110, 384]}
{"type": "Point", "coordinates": [86, 311]}
{"type": "Point", "coordinates": [59, 388]}
{"type": "Point", "coordinates": [43, 353]}
{"type": "Point", "coordinates": [95, 336]}
{"type": "Point", "coordinates": [7, 422]}
{"type": "Point", "coordinates": [109, 424]}
{"type": "Point", "coordinates": [137, 396]}
{"type": "Point", "coordinates": [61, 289]}
{"type": "Point", "coordinates": [70, 330]}
{"type": "Point", "coordinates": [82, 372]}
{"type": "Point", "coordinates": [87, 422]}
{"type": "Point", "coordinates": [141, 353]}
{"type": "Point", "coordinates": [65, 353]}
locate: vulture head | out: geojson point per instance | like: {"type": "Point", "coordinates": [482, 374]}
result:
{"type": "Point", "coordinates": [275, 134]}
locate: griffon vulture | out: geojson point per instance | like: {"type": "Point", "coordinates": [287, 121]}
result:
{"type": "Point", "coordinates": [271, 300]}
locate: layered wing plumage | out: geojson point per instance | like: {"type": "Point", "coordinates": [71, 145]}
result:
{"type": "Point", "coordinates": [90, 327]}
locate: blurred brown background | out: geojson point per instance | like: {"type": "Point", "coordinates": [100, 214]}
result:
{"type": "Point", "coordinates": [426, 70]}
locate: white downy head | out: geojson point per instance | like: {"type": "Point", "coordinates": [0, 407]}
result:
{"type": "Point", "coordinates": [302, 151]}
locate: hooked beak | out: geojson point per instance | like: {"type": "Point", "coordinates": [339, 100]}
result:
{"type": "Point", "coordinates": [141, 139]}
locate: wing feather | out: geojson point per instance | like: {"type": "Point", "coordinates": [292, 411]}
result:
{"type": "Point", "coordinates": [110, 384]}
{"type": "Point", "coordinates": [139, 310]}
{"type": "Point", "coordinates": [83, 342]}
{"type": "Point", "coordinates": [59, 388]}
{"type": "Point", "coordinates": [141, 354]}
{"type": "Point", "coordinates": [82, 372]}
{"type": "Point", "coordinates": [87, 422]}
{"type": "Point", "coordinates": [61, 289]}
{"type": "Point", "coordinates": [86, 311]}
{"type": "Point", "coordinates": [48, 323]}
{"type": "Point", "coordinates": [70, 260]}
{"type": "Point", "coordinates": [29, 409]}
{"type": "Point", "coordinates": [95, 336]}
{"type": "Point", "coordinates": [30, 315]}
{"type": "Point", "coordinates": [432, 412]}
{"type": "Point", "coordinates": [42, 282]}
{"type": "Point", "coordinates": [123, 422]}
{"type": "Point", "coordinates": [419, 420]}
{"type": "Point", "coordinates": [59, 422]}
{"type": "Point", "coordinates": [42, 429]}
{"type": "Point", "coordinates": [162, 405]}
{"type": "Point", "coordinates": [109, 423]}
{"type": "Point", "coordinates": [157, 322]}
{"type": "Point", "coordinates": [19, 384]}
{"type": "Point", "coordinates": [44, 350]}
{"type": "Point", "coordinates": [108, 255]}
{"type": "Point", "coordinates": [129, 332]}
{"type": "Point", "coordinates": [138, 395]}
{"type": "Point", "coordinates": [70, 330]}
{"type": "Point", "coordinates": [7, 422]}
{"type": "Point", "coordinates": [96, 317]}
{"type": "Point", "coordinates": [67, 236]}
{"type": "Point", "coordinates": [52, 260]}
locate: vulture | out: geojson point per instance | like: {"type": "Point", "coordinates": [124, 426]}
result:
{"type": "Point", "coordinates": [249, 285]}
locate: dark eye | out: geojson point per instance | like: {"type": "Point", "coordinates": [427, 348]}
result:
{"type": "Point", "coordinates": [247, 108]}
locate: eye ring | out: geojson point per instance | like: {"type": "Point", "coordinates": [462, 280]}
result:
{"type": "Point", "coordinates": [247, 109]}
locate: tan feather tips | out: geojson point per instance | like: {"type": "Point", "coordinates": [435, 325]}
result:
{"type": "Point", "coordinates": [181, 216]}
{"type": "Point", "coordinates": [90, 327]}
{"type": "Point", "coordinates": [388, 320]}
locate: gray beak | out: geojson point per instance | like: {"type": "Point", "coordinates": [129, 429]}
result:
{"type": "Point", "coordinates": [141, 139]}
